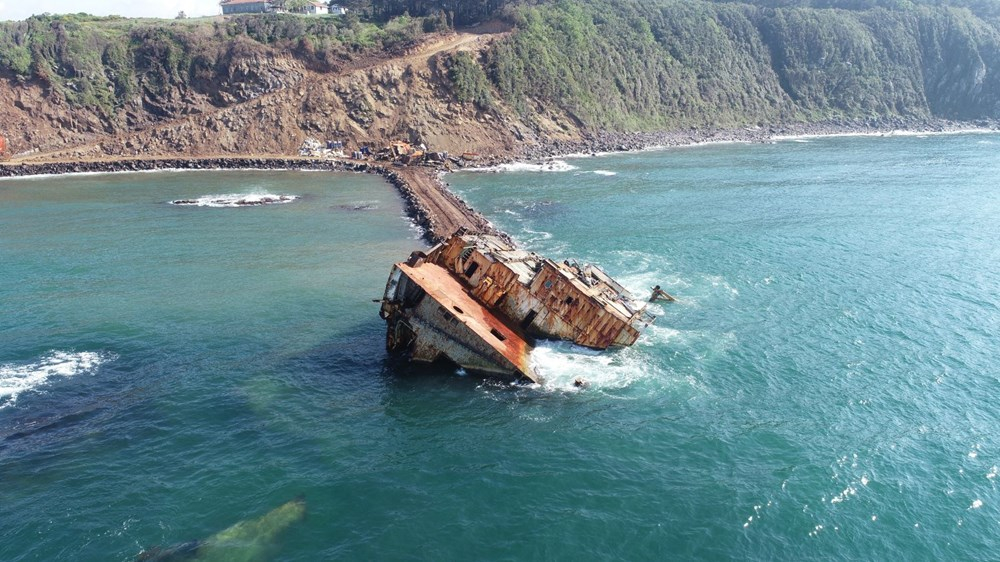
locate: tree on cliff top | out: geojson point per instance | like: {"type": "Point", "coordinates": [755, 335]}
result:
{"type": "Point", "coordinates": [296, 5]}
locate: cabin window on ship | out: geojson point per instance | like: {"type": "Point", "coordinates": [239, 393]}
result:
{"type": "Point", "coordinates": [471, 269]}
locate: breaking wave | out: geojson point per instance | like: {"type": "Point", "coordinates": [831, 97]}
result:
{"type": "Point", "coordinates": [15, 379]}
{"type": "Point", "coordinates": [236, 200]}
{"type": "Point", "coordinates": [605, 173]}
{"type": "Point", "coordinates": [643, 365]}
{"type": "Point", "coordinates": [547, 166]}
{"type": "Point", "coordinates": [560, 364]}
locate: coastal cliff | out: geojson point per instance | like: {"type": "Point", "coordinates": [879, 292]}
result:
{"type": "Point", "coordinates": [544, 73]}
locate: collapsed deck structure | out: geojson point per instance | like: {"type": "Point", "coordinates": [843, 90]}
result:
{"type": "Point", "coordinates": [480, 302]}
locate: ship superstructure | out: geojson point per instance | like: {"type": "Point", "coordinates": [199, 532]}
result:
{"type": "Point", "coordinates": [481, 302]}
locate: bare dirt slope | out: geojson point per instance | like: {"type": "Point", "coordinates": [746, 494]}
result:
{"type": "Point", "coordinates": [373, 100]}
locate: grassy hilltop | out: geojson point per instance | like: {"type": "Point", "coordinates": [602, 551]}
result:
{"type": "Point", "coordinates": [563, 67]}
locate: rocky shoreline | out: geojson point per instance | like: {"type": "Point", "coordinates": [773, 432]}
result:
{"type": "Point", "coordinates": [603, 142]}
{"type": "Point", "coordinates": [149, 164]}
{"type": "Point", "coordinates": [438, 212]}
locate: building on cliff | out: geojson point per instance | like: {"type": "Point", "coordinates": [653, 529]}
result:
{"type": "Point", "coordinates": [230, 7]}
{"type": "Point", "coordinates": [233, 7]}
{"type": "Point", "coordinates": [315, 8]}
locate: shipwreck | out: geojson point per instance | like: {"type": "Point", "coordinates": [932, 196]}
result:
{"type": "Point", "coordinates": [481, 303]}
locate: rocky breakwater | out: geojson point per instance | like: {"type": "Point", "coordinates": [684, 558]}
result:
{"type": "Point", "coordinates": [143, 165]}
{"type": "Point", "coordinates": [434, 207]}
{"type": "Point", "coordinates": [427, 200]}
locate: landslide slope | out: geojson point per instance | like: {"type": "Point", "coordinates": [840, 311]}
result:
{"type": "Point", "coordinates": [80, 87]}
{"type": "Point", "coordinates": [259, 99]}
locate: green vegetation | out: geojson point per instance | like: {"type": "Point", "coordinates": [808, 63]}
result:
{"type": "Point", "coordinates": [468, 81]}
{"type": "Point", "coordinates": [667, 64]}
{"type": "Point", "coordinates": [102, 63]}
{"type": "Point", "coordinates": [457, 12]}
{"type": "Point", "coordinates": [607, 64]}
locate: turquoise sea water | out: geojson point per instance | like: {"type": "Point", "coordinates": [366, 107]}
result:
{"type": "Point", "coordinates": [825, 387]}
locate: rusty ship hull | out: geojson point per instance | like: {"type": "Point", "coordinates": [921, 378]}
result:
{"type": "Point", "coordinates": [479, 302]}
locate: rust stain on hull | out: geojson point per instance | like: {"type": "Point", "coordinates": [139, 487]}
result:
{"type": "Point", "coordinates": [480, 302]}
{"type": "Point", "coordinates": [430, 316]}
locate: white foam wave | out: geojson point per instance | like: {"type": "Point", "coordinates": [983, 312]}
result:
{"type": "Point", "coordinates": [591, 154]}
{"type": "Point", "coordinates": [547, 166]}
{"type": "Point", "coordinates": [641, 283]}
{"type": "Point", "coordinates": [15, 379]}
{"type": "Point", "coordinates": [538, 234]}
{"type": "Point", "coordinates": [605, 173]}
{"type": "Point", "coordinates": [236, 200]}
{"type": "Point", "coordinates": [893, 133]}
{"type": "Point", "coordinates": [50, 176]}
{"type": "Point", "coordinates": [153, 171]}
{"type": "Point", "coordinates": [560, 364]}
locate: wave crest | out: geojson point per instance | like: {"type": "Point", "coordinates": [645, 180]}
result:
{"type": "Point", "coordinates": [236, 200]}
{"type": "Point", "coordinates": [16, 379]}
{"type": "Point", "coordinates": [547, 166]}
{"type": "Point", "coordinates": [560, 364]}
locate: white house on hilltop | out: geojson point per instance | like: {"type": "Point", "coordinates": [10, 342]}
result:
{"type": "Point", "coordinates": [232, 7]}
{"type": "Point", "coordinates": [316, 8]}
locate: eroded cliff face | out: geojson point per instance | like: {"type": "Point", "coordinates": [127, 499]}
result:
{"type": "Point", "coordinates": [269, 105]}
{"type": "Point", "coordinates": [261, 86]}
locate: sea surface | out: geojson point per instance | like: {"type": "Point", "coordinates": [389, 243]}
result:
{"type": "Point", "coordinates": [825, 387]}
